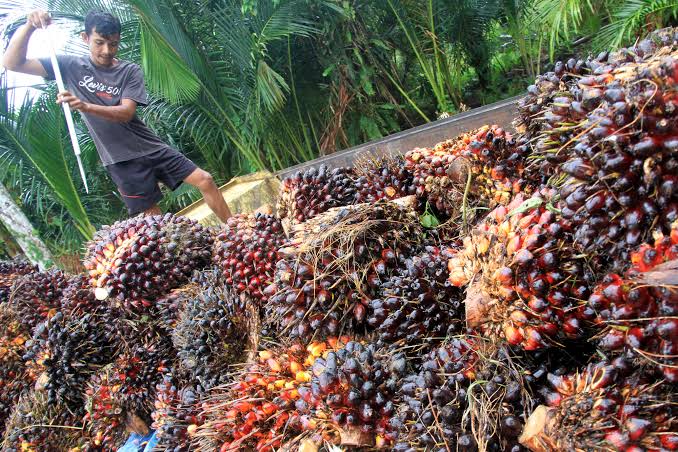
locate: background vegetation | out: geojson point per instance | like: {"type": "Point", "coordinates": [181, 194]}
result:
{"type": "Point", "coordinates": [247, 85]}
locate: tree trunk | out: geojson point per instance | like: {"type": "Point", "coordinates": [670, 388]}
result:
{"type": "Point", "coordinates": [21, 229]}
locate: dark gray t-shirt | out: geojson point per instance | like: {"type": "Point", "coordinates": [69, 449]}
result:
{"type": "Point", "coordinates": [115, 141]}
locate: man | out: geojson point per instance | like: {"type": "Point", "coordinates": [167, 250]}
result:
{"type": "Point", "coordinates": [107, 91]}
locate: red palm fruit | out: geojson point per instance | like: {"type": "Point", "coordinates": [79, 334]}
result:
{"type": "Point", "coordinates": [245, 251]}
{"type": "Point", "coordinates": [622, 418]}
{"type": "Point", "coordinates": [37, 296]}
{"type": "Point", "coordinates": [487, 155]}
{"type": "Point", "coordinates": [515, 294]}
{"type": "Point", "coordinates": [382, 178]}
{"type": "Point", "coordinates": [269, 404]}
{"type": "Point", "coordinates": [636, 310]}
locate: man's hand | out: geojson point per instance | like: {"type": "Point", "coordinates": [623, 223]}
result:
{"type": "Point", "coordinates": [72, 101]}
{"type": "Point", "coordinates": [38, 18]}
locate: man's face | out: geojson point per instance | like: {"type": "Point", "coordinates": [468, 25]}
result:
{"type": "Point", "coordinates": [102, 49]}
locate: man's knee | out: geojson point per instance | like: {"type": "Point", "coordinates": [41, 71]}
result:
{"type": "Point", "coordinates": [201, 179]}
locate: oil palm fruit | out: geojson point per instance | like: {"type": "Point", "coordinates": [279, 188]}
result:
{"type": "Point", "coordinates": [37, 296]}
{"type": "Point", "coordinates": [140, 259]}
{"type": "Point", "coordinates": [9, 271]}
{"type": "Point", "coordinates": [382, 178]}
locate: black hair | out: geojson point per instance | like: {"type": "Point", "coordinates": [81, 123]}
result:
{"type": "Point", "coordinates": [104, 23]}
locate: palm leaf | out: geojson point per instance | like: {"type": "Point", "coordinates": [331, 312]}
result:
{"type": "Point", "coordinates": [35, 133]}
{"type": "Point", "coordinates": [629, 19]}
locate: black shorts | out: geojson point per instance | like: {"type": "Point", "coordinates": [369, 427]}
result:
{"type": "Point", "coordinates": [137, 179]}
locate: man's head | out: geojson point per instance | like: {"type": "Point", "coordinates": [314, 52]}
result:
{"type": "Point", "coordinates": [102, 36]}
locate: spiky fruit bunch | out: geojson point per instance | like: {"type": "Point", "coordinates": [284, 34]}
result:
{"type": "Point", "coordinates": [146, 257]}
{"type": "Point", "coordinates": [169, 306]}
{"type": "Point", "coordinates": [176, 414]}
{"type": "Point", "coordinates": [528, 279]}
{"type": "Point", "coordinates": [354, 388]}
{"type": "Point", "coordinates": [215, 330]}
{"type": "Point", "coordinates": [466, 397]}
{"type": "Point", "coordinates": [382, 178]}
{"type": "Point", "coordinates": [69, 350]}
{"type": "Point", "coordinates": [602, 409]}
{"type": "Point", "coordinates": [418, 303]}
{"type": "Point", "coordinates": [37, 296]}
{"type": "Point", "coordinates": [313, 191]}
{"type": "Point", "coordinates": [332, 269]}
{"type": "Point", "coordinates": [621, 169]}
{"type": "Point", "coordinates": [258, 411]}
{"type": "Point", "coordinates": [78, 298]}
{"type": "Point", "coordinates": [14, 379]}
{"type": "Point", "coordinates": [639, 311]}
{"type": "Point", "coordinates": [245, 250]}
{"type": "Point", "coordinates": [9, 271]}
{"type": "Point", "coordinates": [121, 395]}
{"type": "Point", "coordinates": [36, 425]}
{"type": "Point", "coordinates": [487, 156]}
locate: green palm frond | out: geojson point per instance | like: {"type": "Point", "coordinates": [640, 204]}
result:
{"type": "Point", "coordinates": [563, 18]}
{"type": "Point", "coordinates": [35, 133]}
{"type": "Point", "coordinates": [630, 18]}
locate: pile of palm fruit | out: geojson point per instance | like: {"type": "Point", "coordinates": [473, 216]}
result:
{"type": "Point", "coordinates": [539, 312]}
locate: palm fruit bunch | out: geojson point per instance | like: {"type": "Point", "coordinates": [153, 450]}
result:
{"type": "Point", "coordinates": [69, 350]}
{"type": "Point", "coordinates": [9, 271]}
{"type": "Point", "coordinates": [528, 281]}
{"type": "Point", "coordinates": [176, 415]}
{"type": "Point", "coordinates": [170, 305]}
{"type": "Point", "coordinates": [382, 178]}
{"type": "Point", "coordinates": [215, 329]}
{"type": "Point", "coordinates": [639, 311]}
{"type": "Point", "coordinates": [604, 408]}
{"type": "Point", "coordinates": [466, 396]}
{"type": "Point", "coordinates": [481, 167]}
{"type": "Point", "coordinates": [37, 296]}
{"type": "Point", "coordinates": [258, 411]}
{"type": "Point", "coordinates": [354, 389]}
{"type": "Point", "coordinates": [37, 425]}
{"type": "Point", "coordinates": [245, 250]}
{"type": "Point", "coordinates": [140, 259]}
{"type": "Point", "coordinates": [620, 172]}
{"type": "Point", "coordinates": [313, 191]}
{"type": "Point", "coordinates": [418, 303]}
{"type": "Point", "coordinates": [14, 380]}
{"type": "Point", "coordinates": [120, 396]}
{"type": "Point", "coordinates": [327, 276]}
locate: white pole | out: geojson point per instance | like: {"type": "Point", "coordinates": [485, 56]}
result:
{"type": "Point", "coordinates": [66, 107]}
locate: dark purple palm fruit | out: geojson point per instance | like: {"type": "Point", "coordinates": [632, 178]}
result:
{"type": "Point", "coordinates": [313, 191]}
{"type": "Point", "coordinates": [140, 259]}
{"type": "Point", "coordinates": [418, 303]}
{"type": "Point", "coordinates": [334, 266]}
{"type": "Point", "coordinates": [603, 408]}
{"type": "Point", "coordinates": [32, 423]}
{"type": "Point", "coordinates": [466, 396]}
{"type": "Point", "coordinates": [9, 271]}
{"type": "Point", "coordinates": [176, 414]}
{"type": "Point", "coordinates": [382, 178]}
{"type": "Point", "coordinates": [355, 387]}
{"type": "Point", "coordinates": [616, 158]}
{"type": "Point", "coordinates": [37, 296]}
{"type": "Point", "coordinates": [69, 350]}
{"type": "Point", "coordinates": [215, 329]}
{"type": "Point", "coordinates": [15, 379]}
{"type": "Point", "coordinates": [245, 250]}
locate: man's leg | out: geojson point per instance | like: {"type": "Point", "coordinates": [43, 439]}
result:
{"type": "Point", "coordinates": [204, 182]}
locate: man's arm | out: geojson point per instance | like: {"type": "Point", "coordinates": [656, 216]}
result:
{"type": "Point", "coordinates": [15, 56]}
{"type": "Point", "coordinates": [116, 113]}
